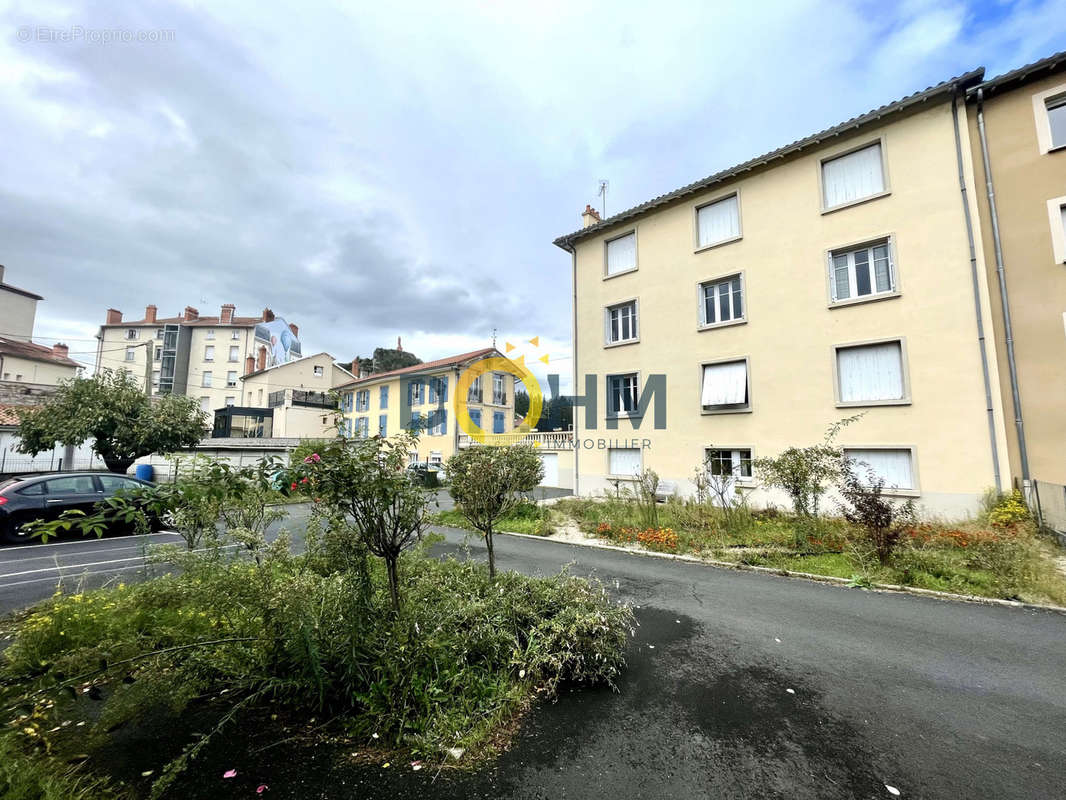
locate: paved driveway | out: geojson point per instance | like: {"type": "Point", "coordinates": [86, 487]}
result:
{"type": "Point", "coordinates": [445, 502]}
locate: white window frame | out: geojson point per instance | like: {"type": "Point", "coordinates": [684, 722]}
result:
{"type": "Point", "coordinates": [1041, 102]}
{"type": "Point", "coordinates": [235, 334]}
{"type": "Point", "coordinates": [132, 333]}
{"type": "Point", "coordinates": [742, 480]}
{"type": "Point", "coordinates": [205, 404]}
{"type": "Point", "coordinates": [847, 151]}
{"type": "Point", "coordinates": [697, 246]}
{"type": "Point", "coordinates": [131, 354]}
{"type": "Point", "coordinates": [701, 306]}
{"type": "Point", "coordinates": [155, 377]}
{"type": "Point", "coordinates": [746, 409]}
{"type": "Point", "coordinates": [209, 333]}
{"type": "Point", "coordinates": [209, 352]}
{"type": "Point", "coordinates": [607, 320]}
{"type": "Point", "coordinates": [206, 379]}
{"type": "Point", "coordinates": [231, 401]}
{"type": "Point", "coordinates": [231, 382]}
{"type": "Point", "coordinates": [617, 476]}
{"type": "Point", "coordinates": [904, 372]}
{"type": "Point", "coordinates": [234, 353]}
{"type": "Point", "coordinates": [636, 254]}
{"type": "Point", "coordinates": [914, 491]}
{"type": "Point", "coordinates": [319, 371]}
{"type": "Point", "coordinates": [1056, 209]}
{"type": "Point", "coordinates": [503, 386]}
{"type": "Point", "coordinates": [849, 250]}
{"type": "Point", "coordinates": [621, 414]}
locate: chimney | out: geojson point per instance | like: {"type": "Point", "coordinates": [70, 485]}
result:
{"type": "Point", "coordinates": [60, 350]}
{"type": "Point", "coordinates": [262, 363]}
{"type": "Point", "coordinates": [249, 365]}
{"type": "Point", "coordinates": [1, 273]}
{"type": "Point", "coordinates": [226, 316]}
{"type": "Point", "coordinates": [294, 329]}
{"type": "Point", "coordinates": [268, 315]}
{"type": "Point", "coordinates": [355, 366]}
{"type": "Point", "coordinates": [191, 314]}
{"type": "Point", "coordinates": [149, 313]}
{"type": "Point", "coordinates": [589, 216]}
{"type": "Point", "coordinates": [114, 317]}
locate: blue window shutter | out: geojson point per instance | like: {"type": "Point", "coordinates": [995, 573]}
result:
{"type": "Point", "coordinates": [443, 421]}
{"type": "Point", "coordinates": [475, 416]}
{"type": "Point", "coordinates": [444, 389]}
{"type": "Point", "coordinates": [383, 422]}
{"type": "Point", "coordinates": [497, 422]}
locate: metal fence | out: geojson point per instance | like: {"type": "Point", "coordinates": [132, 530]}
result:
{"type": "Point", "coordinates": [1051, 506]}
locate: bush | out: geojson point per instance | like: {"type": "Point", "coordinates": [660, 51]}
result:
{"type": "Point", "coordinates": [1009, 511]}
{"type": "Point", "coordinates": [864, 505]}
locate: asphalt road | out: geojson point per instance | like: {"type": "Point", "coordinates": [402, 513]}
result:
{"type": "Point", "coordinates": [937, 699]}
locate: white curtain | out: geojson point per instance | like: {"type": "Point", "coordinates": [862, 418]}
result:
{"type": "Point", "coordinates": [853, 176]}
{"type": "Point", "coordinates": [622, 253]}
{"type": "Point", "coordinates": [870, 372]}
{"type": "Point", "coordinates": [892, 465]}
{"type": "Point", "coordinates": [719, 221]}
{"type": "Point", "coordinates": [623, 461]}
{"type": "Point", "coordinates": [725, 384]}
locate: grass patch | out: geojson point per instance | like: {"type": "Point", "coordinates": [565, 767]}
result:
{"type": "Point", "coordinates": [528, 517]}
{"type": "Point", "coordinates": [1000, 555]}
{"type": "Point", "coordinates": [227, 640]}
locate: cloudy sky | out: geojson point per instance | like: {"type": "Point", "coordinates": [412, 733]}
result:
{"type": "Point", "coordinates": [380, 170]}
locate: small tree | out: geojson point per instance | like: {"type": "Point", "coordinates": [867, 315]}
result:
{"type": "Point", "coordinates": [112, 412]}
{"type": "Point", "coordinates": [865, 505]}
{"type": "Point", "coordinates": [486, 483]}
{"type": "Point", "coordinates": [367, 480]}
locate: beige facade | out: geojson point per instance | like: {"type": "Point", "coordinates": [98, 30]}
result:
{"type": "Point", "coordinates": [1024, 119]}
{"type": "Point", "coordinates": [18, 309]}
{"type": "Point", "coordinates": [204, 358]}
{"type": "Point", "coordinates": [849, 255]}
{"type": "Point", "coordinates": [45, 369]}
{"type": "Point", "coordinates": [22, 360]}
{"type": "Point", "coordinates": [384, 403]}
{"type": "Point", "coordinates": [299, 395]}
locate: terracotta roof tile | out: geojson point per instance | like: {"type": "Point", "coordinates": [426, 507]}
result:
{"type": "Point", "coordinates": [9, 415]}
{"type": "Point", "coordinates": [427, 366]}
{"type": "Point", "coordinates": [34, 352]}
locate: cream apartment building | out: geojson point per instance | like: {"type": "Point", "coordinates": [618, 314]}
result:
{"type": "Point", "coordinates": [21, 359]}
{"type": "Point", "coordinates": [1017, 126]}
{"type": "Point", "coordinates": [201, 357]}
{"type": "Point", "coordinates": [830, 277]}
{"type": "Point", "coordinates": [386, 403]}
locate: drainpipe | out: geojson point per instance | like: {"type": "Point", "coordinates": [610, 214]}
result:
{"type": "Point", "coordinates": [976, 297]}
{"type": "Point", "coordinates": [573, 345]}
{"type": "Point", "coordinates": [1023, 451]}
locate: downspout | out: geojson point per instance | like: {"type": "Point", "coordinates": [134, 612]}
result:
{"type": "Point", "coordinates": [573, 348]}
{"type": "Point", "coordinates": [1023, 451]}
{"type": "Point", "coordinates": [976, 297]}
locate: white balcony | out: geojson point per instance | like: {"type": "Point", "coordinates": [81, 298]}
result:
{"type": "Point", "coordinates": [547, 440]}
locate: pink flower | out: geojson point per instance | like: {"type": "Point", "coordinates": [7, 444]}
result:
{"type": "Point", "coordinates": [314, 458]}
{"type": "Point", "coordinates": [261, 788]}
{"type": "Point", "coordinates": [229, 773]}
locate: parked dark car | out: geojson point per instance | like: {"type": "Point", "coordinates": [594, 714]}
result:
{"type": "Point", "coordinates": [30, 497]}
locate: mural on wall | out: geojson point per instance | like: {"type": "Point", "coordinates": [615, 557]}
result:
{"type": "Point", "coordinates": [281, 343]}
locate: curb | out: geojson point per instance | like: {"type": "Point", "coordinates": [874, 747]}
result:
{"type": "Point", "coordinates": [784, 573]}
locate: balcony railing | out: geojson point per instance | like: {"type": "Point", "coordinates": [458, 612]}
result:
{"type": "Point", "coordinates": [546, 440]}
{"type": "Point", "coordinates": [302, 397]}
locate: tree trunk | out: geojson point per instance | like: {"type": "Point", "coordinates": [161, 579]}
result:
{"type": "Point", "coordinates": [118, 465]}
{"type": "Point", "coordinates": [394, 584]}
{"type": "Point", "coordinates": [492, 555]}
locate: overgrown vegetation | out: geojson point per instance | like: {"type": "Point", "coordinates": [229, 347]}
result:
{"type": "Point", "coordinates": [526, 517]}
{"type": "Point", "coordinates": [247, 629]}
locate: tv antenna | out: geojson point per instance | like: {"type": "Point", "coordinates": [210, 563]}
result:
{"type": "Point", "coordinates": [604, 186]}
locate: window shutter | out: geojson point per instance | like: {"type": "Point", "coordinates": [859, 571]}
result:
{"type": "Point", "coordinates": [853, 176]}
{"type": "Point", "coordinates": [622, 254]}
{"type": "Point", "coordinates": [892, 465]}
{"type": "Point", "coordinates": [870, 372]}
{"type": "Point", "coordinates": [444, 389]}
{"type": "Point", "coordinates": [725, 384]}
{"type": "Point", "coordinates": [623, 461]}
{"type": "Point", "coordinates": [718, 221]}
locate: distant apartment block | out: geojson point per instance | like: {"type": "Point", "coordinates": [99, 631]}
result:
{"type": "Point", "coordinates": [21, 359]}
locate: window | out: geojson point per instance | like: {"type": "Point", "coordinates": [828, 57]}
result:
{"type": "Point", "coordinates": [235, 353]}
{"type": "Point", "coordinates": [231, 379]}
{"type": "Point", "coordinates": [362, 400]}
{"type": "Point", "coordinates": [725, 387]}
{"type": "Point", "coordinates": [1056, 117]}
{"type": "Point", "coordinates": [114, 483]}
{"type": "Point", "coordinates": [383, 425]}
{"type": "Point", "coordinates": [624, 461]}
{"type": "Point", "coordinates": [235, 335]}
{"type": "Point", "coordinates": [473, 394]}
{"type": "Point", "coordinates": [319, 372]}
{"type": "Point", "coordinates": [210, 334]}
{"type": "Point", "coordinates": [158, 333]}
{"type": "Point", "coordinates": [622, 395]}
{"type": "Point", "coordinates": [416, 393]}
{"type": "Point", "coordinates": [621, 254]}
{"type": "Point", "coordinates": [722, 301]}
{"type": "Point", "coordinates": [131, 353]}
{"type": "Point", "coordinates": [259, 397]}
{"type": "Point", "coordinates": [362, 427]}
{"type": "Point", "coordinates": [438, 390]}
{"type": "Point", "coordinates": [621, 323]}
{"type": "Point", "coordinates": [231, 401]}
{"type": "Point", "coordinates": [438, 422]}
{"type": "Point", "coordinates": [131, 333]}
{"type": "Point", "coordinates": [155, 377]}
{"type": "Point", "coordinates": [383, 399]}
{"type": "Point", "coordinates": [1056, 208]}
{"type": "Point", "coordinates": [728, 463]}
{"type": "Point", "coordinates": [159, 354]}
{"type": "Point", "coordinates": [475, 416]}
{"type": "Point", "coordinates": [74, 484]}
{"type": "Point", "coordinates": [499, 393]}
{"type": "Point", "coordinates": [498, 423]}
{"type": "Point", "coordinates": [416, 421]}
{"type": "Point", "coordinates": [718, 222]}
{"type": "Point", "coordinates": [206, 380]}
{"type": "Point", "coordinates": [853, 177]}
{"type": "Point", "coordinates": [894, 465]}
{"type": "Point", "coordinates": [205, 403]}
{"type": "Point", "coordinates": [33, 489]}
{"type": "Point", "coordinates": [209, 353]}
{"type": "Point", "coordinates": [871, 374]}
{"type": "Point", "coordinates": [863, 272]}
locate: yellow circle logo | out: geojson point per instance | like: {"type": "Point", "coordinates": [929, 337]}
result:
{"type": "Point", "coordinates": [462, 392]}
